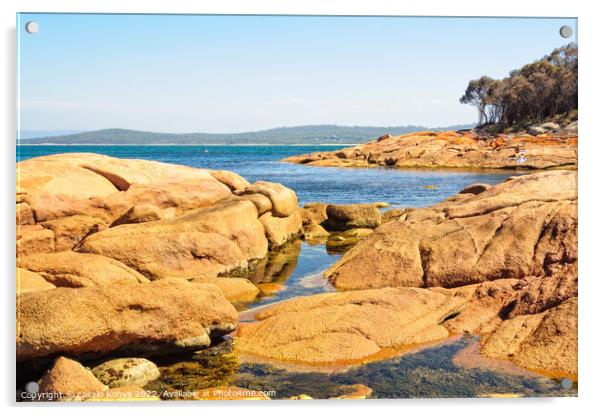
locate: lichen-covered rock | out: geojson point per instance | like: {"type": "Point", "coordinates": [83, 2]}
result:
{"type": "Point", "coordinates": [170, 314]}
{"type": "Point", "coordinates": [116, 373]}
{"type": "Point", "coordinates": [455, 149]}
{"type": "Point", "coordinates": [230, 179]}
{"type": "Point", "coordinates": [261, 202]}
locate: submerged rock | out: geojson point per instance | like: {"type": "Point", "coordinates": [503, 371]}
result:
{"type": "Point", "coordinates": [170, 314]}
{"type": "Point", "coordinates": [343, 241]}
{"type": "Point", "coordinates": [277, 266]}
{"type": "Point", "coordinates": [357, 391]}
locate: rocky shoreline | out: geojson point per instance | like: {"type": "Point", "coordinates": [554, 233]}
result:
{"type": "Point", "coordinates": [136, 258]}
{"type": "Point", "coordinates": [549, 148]}
{"type": "Point", "coordinates": [500, 264]}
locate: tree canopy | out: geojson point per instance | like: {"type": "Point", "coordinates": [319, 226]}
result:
{"type": "Point", "coordinates": [535, 92]}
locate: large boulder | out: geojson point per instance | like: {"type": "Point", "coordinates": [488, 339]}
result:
{"type": "Point", "coordinates": [343, 217]}
{"type": "Point", "coordinates": [171, 314]}
{"type": "Point", "coordinates": [106, 188]}
{"type": "Point", "coordinates": [74, 269]}
{"type": "Point", "coordinates": [160, 219]}
{"type": "Point", "coordinates": [203, 242]}
{"type": "Point", "coordinates": [60, 175]}
{"type": "Point", "coordinates": [522, 227]}
{"type": "Point", "coordinates": [344, 326]}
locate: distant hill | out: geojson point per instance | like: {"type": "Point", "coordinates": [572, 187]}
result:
{"type": "Point", "coordinates": [26, 134]}
{"type": "Point", "coordinates": [309, 134]}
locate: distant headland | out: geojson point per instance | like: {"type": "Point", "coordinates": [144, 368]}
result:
{"type": "Point", "coordinates": [298, 135]}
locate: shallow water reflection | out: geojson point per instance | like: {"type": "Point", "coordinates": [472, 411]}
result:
{"type": "Point", "coordinates": [293, 270]}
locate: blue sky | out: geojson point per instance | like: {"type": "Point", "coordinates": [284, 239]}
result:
{"type": "Point", "coordinates": [179, 73]}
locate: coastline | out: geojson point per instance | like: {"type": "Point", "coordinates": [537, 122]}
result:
{"type": "Point", "coordinates": [189, 145]}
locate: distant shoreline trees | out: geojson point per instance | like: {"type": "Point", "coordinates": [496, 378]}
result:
{"type": "Point", "coordinates": [535, 92]}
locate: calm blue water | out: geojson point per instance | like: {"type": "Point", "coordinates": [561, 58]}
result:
{"type": "Point", "coordinates": [312, 184]}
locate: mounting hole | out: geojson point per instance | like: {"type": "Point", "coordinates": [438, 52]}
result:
{"type": "Point", "coordinates": [566, 383]}
{"type": "Point", "coordinates": [566, 31]}
{"type": "Point", "coordinates": [32, 27]}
